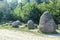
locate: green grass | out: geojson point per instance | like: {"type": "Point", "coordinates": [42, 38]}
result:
{"type": "Point", "coordinates": [25, 29]}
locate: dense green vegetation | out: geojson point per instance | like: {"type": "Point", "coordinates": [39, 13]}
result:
{"type": "Point", "coordinates": [31, 10]}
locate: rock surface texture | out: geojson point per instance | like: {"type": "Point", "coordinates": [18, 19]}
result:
{"type": "Point", "coordinates": [47, 23]}
{"type": "Point", "coordinates": [16, 23]}
{"type": "Point", "coordinates": [30, 24]}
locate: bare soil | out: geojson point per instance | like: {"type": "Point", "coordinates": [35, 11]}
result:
{"type": "Point", "coordinates": [6, 34]}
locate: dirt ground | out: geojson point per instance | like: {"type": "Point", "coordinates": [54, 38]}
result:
{"type": "Point", "coordinates": [6, 34]}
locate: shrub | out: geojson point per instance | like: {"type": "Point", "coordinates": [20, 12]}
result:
{"type": "Point", "coordinates": [29, 11]}
{"type": "Point", "coordinates": [54, 9]}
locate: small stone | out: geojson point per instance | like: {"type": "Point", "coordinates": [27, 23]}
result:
{"type": "Point", "coordinates": [58, 25]}
{"type": "Point", "coordinates": [16, 24]}
{"type": "Point", "coordinates": [30, 24]}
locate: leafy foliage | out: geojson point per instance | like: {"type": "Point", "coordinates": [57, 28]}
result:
{"type": "Point", "coordinates": [30, 11]}
{"type": "Point", "coordinates": [54, 9]}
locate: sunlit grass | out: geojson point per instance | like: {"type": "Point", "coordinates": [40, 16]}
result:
{"type": "Point", "coordinates": [25, 29]}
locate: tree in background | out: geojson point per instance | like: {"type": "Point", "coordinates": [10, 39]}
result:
{"type": "Point", "coordinates": [13, 4]}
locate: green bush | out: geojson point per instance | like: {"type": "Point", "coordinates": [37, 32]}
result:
{"type": "Point", "coordinates": [33, 11]}
{"type": "Point", "coordinates": [28, 12]}
{"type": "Point", "coordinates": [54, 9]}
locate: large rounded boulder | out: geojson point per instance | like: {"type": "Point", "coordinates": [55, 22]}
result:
{"type": "Point", "coordinates": [47, 23]}
{"type": "Point", "coordinates": [16, 24]}
{"type": "Point", "coordinates": [30, 24]}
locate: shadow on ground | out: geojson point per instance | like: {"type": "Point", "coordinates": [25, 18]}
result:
{"type": "Point", "coordinates": [58, 34]}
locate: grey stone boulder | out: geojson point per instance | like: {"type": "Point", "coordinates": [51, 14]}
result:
{"type": "Point", "coordinates": [16, 24]}
{"type": "Point", "coordinates": [58, 25]}
{"type": "Point", "coordinates": [30, 24]}
{"type": "Point", "coordinates": [47, 23]}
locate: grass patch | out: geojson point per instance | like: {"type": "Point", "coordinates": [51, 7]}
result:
{"type": "Point", "coordinates": [25, 29]}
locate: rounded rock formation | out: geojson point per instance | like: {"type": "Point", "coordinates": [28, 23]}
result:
{"type": "Point", "coordinates": [47, 23]}
{"type": "Point", "coordinates": [16, 24]}
{"type": "Point", "coordinates": [30, 24]}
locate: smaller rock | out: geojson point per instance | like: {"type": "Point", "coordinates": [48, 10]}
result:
{"type": "Point", "coordinates": [58, 25]}
{"type": "Point", "coordinates": [16, 24]}
{"type": "Point", "coordinates": [30, 24]}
